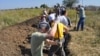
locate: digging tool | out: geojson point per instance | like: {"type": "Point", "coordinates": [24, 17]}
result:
{"type": "Point", "coordinates": [76, 22]}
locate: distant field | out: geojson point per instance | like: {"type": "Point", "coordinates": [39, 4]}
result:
{"type": "Point", "coordinates": [11, 17]}
{"type": "Point", "coordinates": [87, 43]}
{"type": "Point", "coordinates": [83, 43]}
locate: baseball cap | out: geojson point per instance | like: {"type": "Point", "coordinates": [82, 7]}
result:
{"type": "Point", "coordinates": [44, 25]}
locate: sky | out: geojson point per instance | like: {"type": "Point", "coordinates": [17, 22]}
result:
{"type": "Point", "coordinates": [12, 4]}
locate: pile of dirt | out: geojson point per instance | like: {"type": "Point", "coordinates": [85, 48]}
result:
{"type": "Point", "coordinates": [14, 40]}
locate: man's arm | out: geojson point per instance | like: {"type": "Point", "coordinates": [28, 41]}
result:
{"type": "Point", "coordinates": [66, 28]}
{"type": "Point", "coordinates": [77, 10]}
{"type": "Point", "coordinates": [52, 31]}
{"type": "Point", "coordinates": [51, 42]}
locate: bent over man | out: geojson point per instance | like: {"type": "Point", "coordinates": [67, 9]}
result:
{"type": "Point", "coordinates": [37, 39]}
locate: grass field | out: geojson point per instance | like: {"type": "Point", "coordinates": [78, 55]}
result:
{"type": "Point", "coordinates": [83, 43]}
{"type": "Point", "coordinates": [11, 17]}
{"type": "Point", "coordinates": [87, 42]}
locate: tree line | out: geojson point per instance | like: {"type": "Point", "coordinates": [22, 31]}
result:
{"type": "Point", "coordinates": [65, 3]}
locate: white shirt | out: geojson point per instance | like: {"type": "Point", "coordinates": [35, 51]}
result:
{"type": "Point", "coordinates": [63, 20]}
{"type": "Point", "coordinates": [51, 17]}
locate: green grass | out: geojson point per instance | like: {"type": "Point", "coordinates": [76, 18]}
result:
{"type": "Point", "coordinates": [72, 15]}
{"type": "Point", "coordinates": [11, 17]}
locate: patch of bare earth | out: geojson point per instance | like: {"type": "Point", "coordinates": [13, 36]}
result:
{"type": "Point", "coordinates": [14, 40]}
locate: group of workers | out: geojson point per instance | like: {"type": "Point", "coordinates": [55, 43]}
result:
{"type": "Point", "coordinates": [53, 29]}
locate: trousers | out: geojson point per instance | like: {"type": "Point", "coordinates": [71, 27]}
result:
{"type": "Point", "coordinates": [57, 49]}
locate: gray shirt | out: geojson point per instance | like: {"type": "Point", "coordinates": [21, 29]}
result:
{"type": "Point", "coordinates": [82, 12]}
{"type": "Point", "coordinates": [37, 39]}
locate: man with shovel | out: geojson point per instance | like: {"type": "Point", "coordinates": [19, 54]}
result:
{"type": "Point", "coordinates": [81, 13]}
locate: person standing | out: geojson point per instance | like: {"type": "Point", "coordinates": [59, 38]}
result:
{"type": "Point", "coordinates": [45, 12]}
{"type": "Point", "coordinates": [59, 37]}
{"type": "Point", "coordinates": [51, 16]}
{"type": "Point", "coordinates": [63, 18]}
{"type": "Point", "coordinates": [81, 13]}
{"type": "Point", "coordinates": [38, 38]}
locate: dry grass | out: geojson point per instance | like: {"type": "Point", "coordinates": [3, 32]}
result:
{"type": "Point", "coordinates": [87, 42]}
{"type": "Point", "coordinates": [11, 17]}
{"type": "Point", "coordinates": [83, 43]}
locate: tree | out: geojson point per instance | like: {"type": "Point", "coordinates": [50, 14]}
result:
{"type": "Point", "coordinates": [36, 7]}
{"type": "Point", "coordinates": [69, 3]}
{"type": "Point", "coordinates": [43, 6]}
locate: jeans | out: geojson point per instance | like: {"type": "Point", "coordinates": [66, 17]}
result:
{"type": "Point", "coordinates": [67, 38]}
{"type": "Point", "coordinates": [57, 49]}
{"type": "Point", "coordinates": [80, 24]}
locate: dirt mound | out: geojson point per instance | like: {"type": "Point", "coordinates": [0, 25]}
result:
{"type": "Point", "coordinates": [14, 40]}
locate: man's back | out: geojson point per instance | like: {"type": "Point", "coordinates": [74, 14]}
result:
{"type": "Point", "coordinates": [37, 46]}
{"type": "Point", "coordinates": [51, 17]}
{"type": "Point", "coordinates": [60, 30]}
{"type": "Point", "coordinates": [82, 12]}
{"type": "Point", "coordinates": [63, 20]}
